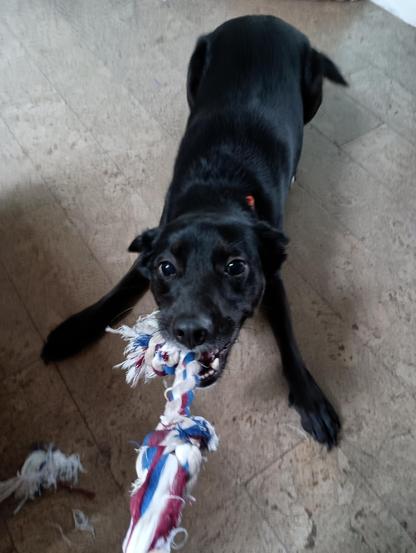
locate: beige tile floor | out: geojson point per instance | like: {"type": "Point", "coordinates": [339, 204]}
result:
{"type": "Point", "coordinates": [92, 107]}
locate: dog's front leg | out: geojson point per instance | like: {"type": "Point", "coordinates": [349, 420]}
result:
{"type": "Point", "coordinates": [85, 327]}
{"type": "Point", "coordinates": [318, 417]}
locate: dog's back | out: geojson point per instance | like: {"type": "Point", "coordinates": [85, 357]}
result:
{"type": "Point", "coordinates": [258, 62]}
{"type": "Point", "coordinates": [252, 61]}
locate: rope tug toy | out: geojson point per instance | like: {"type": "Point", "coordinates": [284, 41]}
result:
{"type": "Point", "coordinates": [170, 458]}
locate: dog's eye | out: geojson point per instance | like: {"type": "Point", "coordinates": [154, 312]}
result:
{"type": "Point", "coordinates": [167, 269]}
{"type": "Point", "coordinates": [235, 267]}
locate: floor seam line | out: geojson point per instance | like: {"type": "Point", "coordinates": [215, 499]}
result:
{"type": "Point", "coordinates": [124, 85]}
{"type": "Point", "coordinates": [383, 503]}
{"type": "Point", "coordinates": [347, 142]}
{"type": "Point", "coordinates": [316, 198]}
{"type": "Point", "coordinates": [59, 372]}
{"type": "Point", "coordinates": [264, 519]}
{"type": "Point", "coordinates": [59, 204]}
{"type": "Point", "coordinates": [364, 344]}
{"type": "Point", "coordinates": [355, 98]}
{"type": "Point", "coordinates": [386, 75]}
{"type": "Point", "coordinates": [103, 150]}
{"type": "Point", "coordinates": [247, 482]}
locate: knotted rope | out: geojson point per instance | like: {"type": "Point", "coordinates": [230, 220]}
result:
{"type": "Point", "coordinates": [170, 458]}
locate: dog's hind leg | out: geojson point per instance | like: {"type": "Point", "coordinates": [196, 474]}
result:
{"type": "Point", "coordinates": [318, 417]}
{"type": "Point", "coordinates": [88, 325]}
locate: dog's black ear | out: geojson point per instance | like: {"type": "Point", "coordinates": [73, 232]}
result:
{"type": "Point", "coordinates": [144, 244]}
{"type": "Point", "coordinates": [316, 67]}
{"type": "Point", "coordinates": [144, 241]}
{"type": "Point", "coordinates": [272, 243]}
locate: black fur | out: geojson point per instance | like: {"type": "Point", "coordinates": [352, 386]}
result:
{"type": "Point", "coordinates": [252, 85]}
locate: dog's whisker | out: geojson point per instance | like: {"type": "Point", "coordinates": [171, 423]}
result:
{"type": "Point", "coordinates": [121, 315]}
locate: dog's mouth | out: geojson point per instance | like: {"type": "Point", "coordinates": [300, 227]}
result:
{"type": "Point", "coordinates": [212, 365]}
{"type": "Point", "coordinates": [211, 357]}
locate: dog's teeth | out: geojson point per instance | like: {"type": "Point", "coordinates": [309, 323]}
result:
{"type": "Point", "coordinates": [215, 364]}
{"type": "Point", "coordinates": [211, 372]}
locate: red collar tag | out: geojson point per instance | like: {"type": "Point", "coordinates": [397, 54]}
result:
{"type": "Point", "coordinates": [251, 202]}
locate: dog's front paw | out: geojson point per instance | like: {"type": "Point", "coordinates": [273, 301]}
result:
{"type": "Point", "coordinates": [317, 415]}
{"type": "Point", "coordinates": [72, 336]}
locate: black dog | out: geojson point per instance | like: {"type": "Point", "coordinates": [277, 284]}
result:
{"type": "Point", "coordinates": [252, 85]}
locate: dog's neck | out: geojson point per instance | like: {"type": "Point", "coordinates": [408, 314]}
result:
{"type": "Point", "coordinates": [218, 183]}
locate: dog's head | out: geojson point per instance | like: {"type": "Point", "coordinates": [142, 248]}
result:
{"type": "Point", "coordinates": [207, 275]}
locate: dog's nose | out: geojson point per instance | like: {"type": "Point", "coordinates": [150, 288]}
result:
{"type": "Point", "coordinates": [192, 331]}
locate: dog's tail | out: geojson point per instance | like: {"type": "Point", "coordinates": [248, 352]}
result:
{"type": "Point", "coordinates": [331, 71]}
{"type": "Point", "coordinates": [317, 67]}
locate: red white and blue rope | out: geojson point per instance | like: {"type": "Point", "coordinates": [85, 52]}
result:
{"type": "Point", "coordinates": [170, 458]}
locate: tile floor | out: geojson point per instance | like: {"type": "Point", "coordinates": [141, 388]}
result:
{"type": "Point", "coordinates": [92, 107]}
